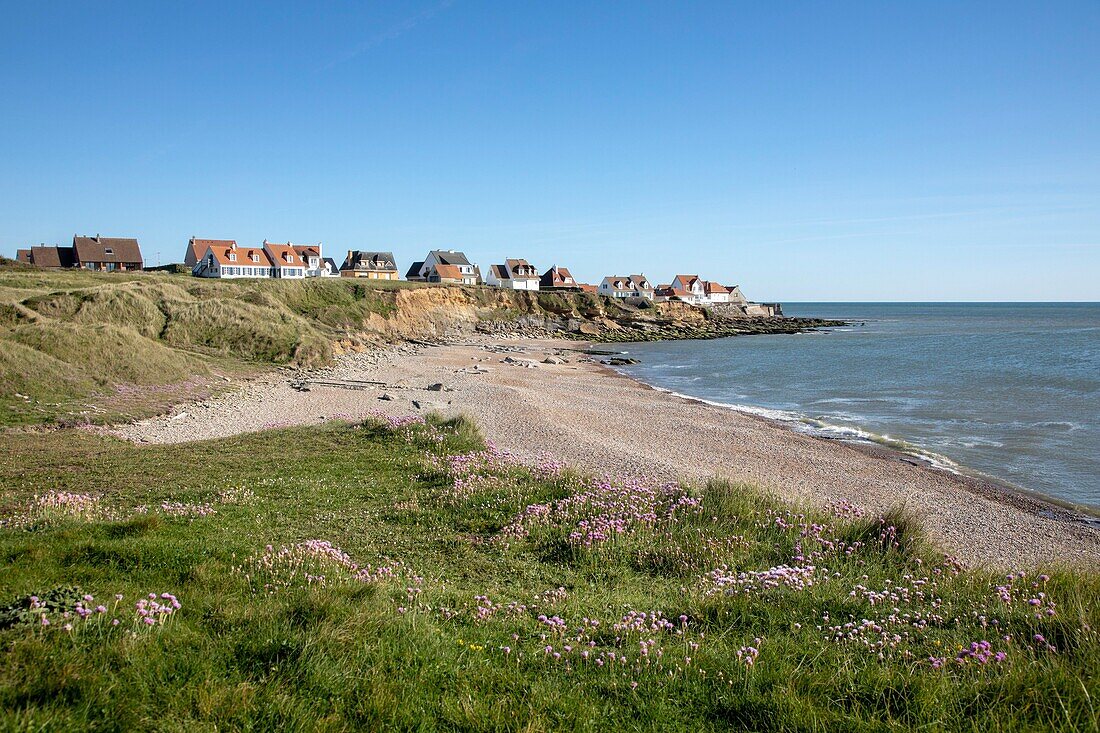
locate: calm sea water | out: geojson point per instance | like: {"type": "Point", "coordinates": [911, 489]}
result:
{"type": "Point", "coordinates": [1008, 390]}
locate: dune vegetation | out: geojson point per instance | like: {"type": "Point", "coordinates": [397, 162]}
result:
{"type": "Point", "coordinates": [402, 574]}
{"type": "Point", "coordinates": [83, 347]}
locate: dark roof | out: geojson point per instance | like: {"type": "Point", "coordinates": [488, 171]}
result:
{"type": "Point", "coordinates": [446, 257]}
{"type": "Point", "coordinates": [500, 272]}
{"type": "Point", "coordinates": [414, 270]}
{"type": "Point", "coordinates": [331, 264]}
{"type": "Point", "coordinates": [95, 249]}
{"type": "Point", "coordinates": [370, 261]}
{"type": "Point", "coordinates": [52, 256]}
{"type": "Point", "coordinates": [555, 276]}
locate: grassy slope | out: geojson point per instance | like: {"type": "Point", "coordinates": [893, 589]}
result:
{"type": "Point", "coordinates": [344, 655]}
{"type": "Point", "coordinates": [79, 347]}
{"type": "Point", "coordinates": [85, 347]}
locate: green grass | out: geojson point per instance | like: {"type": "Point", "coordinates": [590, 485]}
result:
{"type": "Point", "coordinates": [342, 656]}
{"type": "Point", "coordinates": [72, 342]}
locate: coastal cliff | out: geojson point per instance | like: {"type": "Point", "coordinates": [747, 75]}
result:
{"type": "Point", "coordinates": [70, 334]}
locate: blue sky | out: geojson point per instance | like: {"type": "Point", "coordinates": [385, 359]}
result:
{"type": "Point", "coordinates": [807, 151]}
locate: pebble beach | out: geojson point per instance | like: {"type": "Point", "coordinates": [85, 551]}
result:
{"type": "Point", "coordinates": [537, 398]}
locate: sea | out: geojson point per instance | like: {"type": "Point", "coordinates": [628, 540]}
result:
{"type": "Point", "coordinates": [1003, 390]}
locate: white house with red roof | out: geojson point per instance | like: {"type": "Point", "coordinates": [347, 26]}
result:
{"type": "Point", "coordinates": [225, 260]}
{"type": "Point", "coordinates": [196, 249]}
{"type": "Point", "coordinates": [689, 288]}
{"type": "Point", "coordinates": [513, 275]}
{"type": "Point", "coordinates": [310, 254]}
{"type": "Point", "coordinates": [286, 262]}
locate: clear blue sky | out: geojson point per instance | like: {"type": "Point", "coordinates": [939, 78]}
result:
{"type": "Point", "coordinates": [833, 151]}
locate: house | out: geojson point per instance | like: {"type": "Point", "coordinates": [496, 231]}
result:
{"type": "Point", "coordinates": [631, 286]}
{"type": "Point", "coordinates": [371, 265]}
{"type": "Point", "coordinates": [735, 295]}
{"type": "Point", "coordinates": [693, 289]}
{"type": "Point", "coordinates": [689, 288]}
{"type": "Point", "coordinates": [225, 260]}
{"type": "Point", "coordinates": [310, 255]}
{"type": "Point", "coordinates": [51, 257]}
{"type": "Point", "coordinates": [514, 275]}
{"type": "Point", "coordinates": [286, 262]}
{"type": "Point", "coordinates": [447, 274]}
{"type": "Point", "coordinates": [428, 270]}
{"type": "Point", "coordinates": [107, 254]}
{"type": "Point", "coordinates": [586, 288]}
{"type": "Point", "coordinates": [715, 293]}
{"type": "Point", "coordinates": [196, 249]}
{"type": "Point", "coordinates": [329, 268]}
{"type": "Point", "coordinates": [664, 293]}
{"type": "Point", "coordinates": [558, 278]}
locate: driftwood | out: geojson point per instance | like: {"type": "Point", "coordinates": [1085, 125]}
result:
{"type": "Point", "coordinates": [303, 385]}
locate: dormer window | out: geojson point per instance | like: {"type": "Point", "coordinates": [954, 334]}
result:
{"type": "Point", "coordinates": [255, 257]}
{"type": "Point", "coordinates": [232, 256]}
{"type": "Point", "coordinates": [108, 251]}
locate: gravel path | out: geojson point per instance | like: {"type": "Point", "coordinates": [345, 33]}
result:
{"type": "Point", "coordinates": [597, 420]}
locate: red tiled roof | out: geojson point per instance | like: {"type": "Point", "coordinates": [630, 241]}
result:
{"type": "Point", "coordinates": [684, 281]}
{"type": "Point", "coordinates": [557, 276]}
{"type": "Point", "coordinates": [244, 256]}
{"type": "Point", "coordinates": [282, 255]}
{"type": "Point", "coordinates": [448, 272]}
{"type": "Point", "coordinates": [197, 247]}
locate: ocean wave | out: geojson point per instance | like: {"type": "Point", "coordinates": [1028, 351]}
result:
{"type": "Point", "coordinates": [1059, 424]}
{"type": "Point", "coordinates": [821, 429]}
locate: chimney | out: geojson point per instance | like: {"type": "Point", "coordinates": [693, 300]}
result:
{"type": "Point", "coordinates": [349, 256]}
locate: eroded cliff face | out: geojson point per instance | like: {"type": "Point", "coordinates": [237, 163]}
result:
{"type": "Point", "coordinates": [430, 313]}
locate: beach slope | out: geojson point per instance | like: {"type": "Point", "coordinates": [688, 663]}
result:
{"type": "Point", "coordinates": [584, 413]}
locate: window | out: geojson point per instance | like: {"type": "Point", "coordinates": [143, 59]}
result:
{"type": "Point", "coordinates": [232, 256]}
{"type": "Point", "coordinates": [108, 251]}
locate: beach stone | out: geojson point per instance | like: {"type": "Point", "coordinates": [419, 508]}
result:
{"type": "Point", "coordinates": [553, 360]}
{"type": "Point", "coordinates": [436, 387]}
{"type": "Point", "coordinates": [428, 405]}
{"type": "Point", "coordinates": [386, 396]}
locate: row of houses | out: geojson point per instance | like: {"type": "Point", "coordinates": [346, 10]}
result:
{"type": "Point", "coordinates": [225, 258]}
{"type": "Point", "coordinates": [107, 254]}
